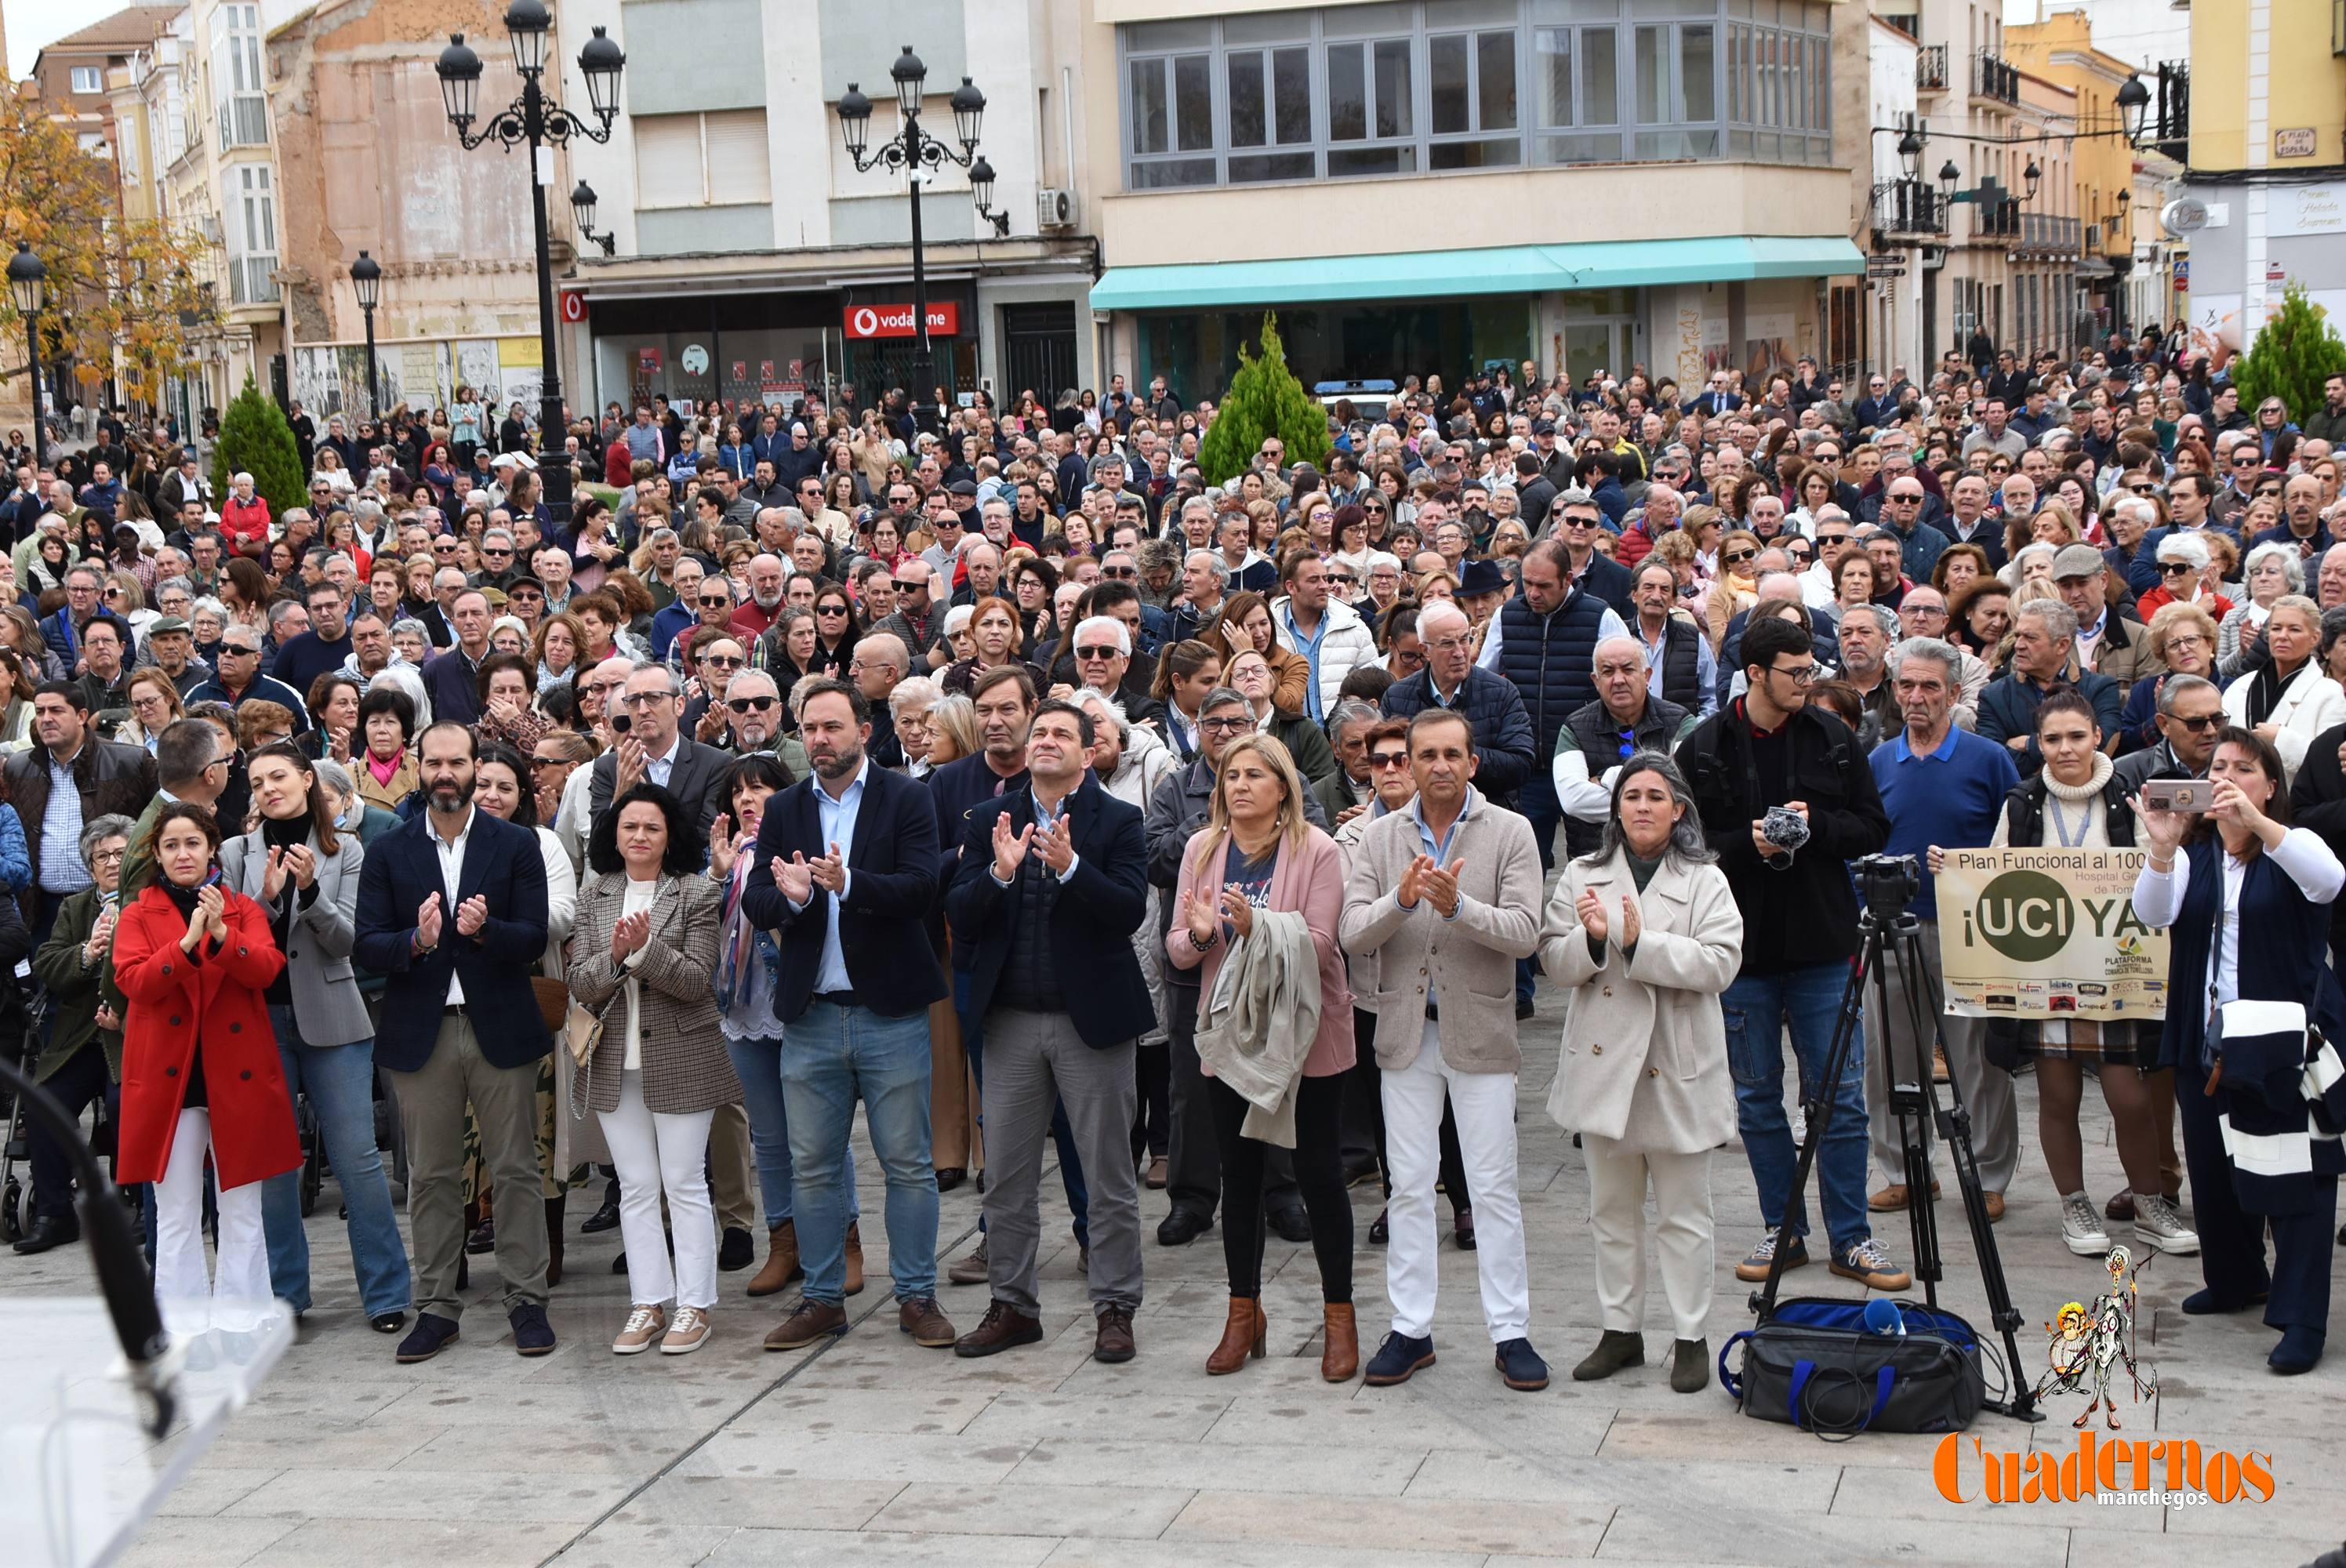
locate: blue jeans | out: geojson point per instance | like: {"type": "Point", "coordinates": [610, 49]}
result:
{"type": "Point", "coordinates": [1540, 807]}
{"type": "Point", "coordinates": [1062, 1135]}
{"type": "Point", "coordinates": [1757, 1007]}
{"type": "Point", "coordinates": [832, 1056]}
{"type": "Point", "coordinates": [759, 1065]}
{"type": "Point", "coordinates": [339, 1081]}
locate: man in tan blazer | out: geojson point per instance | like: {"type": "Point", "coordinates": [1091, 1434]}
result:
{"type": "Point", "coordinates": [1445, 894]}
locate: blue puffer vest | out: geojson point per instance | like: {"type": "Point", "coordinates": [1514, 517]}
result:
{"type": "Point", "coordinates": [1552, 659]}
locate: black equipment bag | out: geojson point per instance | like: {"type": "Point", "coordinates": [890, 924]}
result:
{"type": "Point", "coordinates": [1813, 1363]}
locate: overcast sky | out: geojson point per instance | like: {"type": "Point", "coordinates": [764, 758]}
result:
{"type": "Point", "coordinates": [33, 25]}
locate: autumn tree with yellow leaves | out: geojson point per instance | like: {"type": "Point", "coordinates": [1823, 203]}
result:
{"type": "Point", "coordinates": [125, 295]}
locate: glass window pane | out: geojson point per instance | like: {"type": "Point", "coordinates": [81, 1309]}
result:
{"type": "Point", "coordinates": [1348, 92]}
{"type": "Point", "coordinates": [1146, 35]}
{"type": "Point", "coordinates": [1602, 146]}
{"type": "Point", "coordinates": [1290, 86]}
{"type": "Point", "coordinates": [1246, 98]}
{"type": "Point", "coordinates": [1600, 82]}
{"type": "Point", "coordinates": [1470, 13]}
{"type": "Point", "coordinates": [1446, 71]}
{"type": "Point", "coordinates": [1149, 125]}
{"type": "Point", "coordinates": [1504, 152]}
{"type": "Point", "coordinates": [1494, 81]}
{"type": "Point", "coordinates": [1699, 70]}
{"type": "Point", "coordinates": [1193, 102]}
{"type": "Point", "coordinates": [1653, 75]}
{"type": "Point", "coordinates": [1555, 46]}
{"type": "Point", "coordinates": [1166, 174]}
{"type": "Point", "coordinates": [1372, 161]}
{"type": "Point", "coordinates": [1271, 27]}
{"type": "Point", "coordinates": [1360, 21]}
{"type": "Point", "coordinates": [1395, 111]}
{"type": "Point", "coordinates": [1256, 167]}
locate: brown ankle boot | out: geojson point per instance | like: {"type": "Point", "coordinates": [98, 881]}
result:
{"type": "Point", "coordinates": [854, 1260]}
{"type": "Point", "coordinates": [553, 1207]}
{"type": "Point", "coordinates": [781, 1260]}
{"type": "Point", "coordinates": [1242, 1336]}
{"type": "Point", "coordinates": [1339, 1350]}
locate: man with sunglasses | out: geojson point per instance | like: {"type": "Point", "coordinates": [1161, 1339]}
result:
{"type": "Point", "coordinates": [237, 678]}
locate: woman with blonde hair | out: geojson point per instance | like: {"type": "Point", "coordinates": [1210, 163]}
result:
{"type": "Point", "coordinates": [1244, 623]}
{"type": "Point", "coordinates": [952, 729]}
{"type": "Point", "coordinates": [1258, 855]}
{"type": "Point", "coordinates": [1737, 587]}
{"type": "Point", "coordinates": [2289, 698]}
{"type": "Point", "coordinates": [154, 704]}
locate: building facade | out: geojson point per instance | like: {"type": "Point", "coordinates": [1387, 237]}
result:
{"type": "Point", "coordinates": [1669, 185]}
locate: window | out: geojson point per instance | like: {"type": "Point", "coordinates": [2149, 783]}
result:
{"type": "Point", "coordinates": [1371, 101]}
{"type": "Point", "coordinates": [238, 91]}
{"type": "Point", "coordinates": [1270, 106]}
{"type": "Point", "coordinates": [252, 235]}
{"type": "Point", "coordinates": [716, 160]}
{"type": "Point", "coordinates": [87, 79]}
{"type": "Point", "coordinates": [1578, 72]}
{"type": "Point", "coordinates": [1472, 84]}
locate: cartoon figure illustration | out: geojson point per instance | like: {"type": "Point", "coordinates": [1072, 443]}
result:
{"type": "Point", "coordinates": [2085, 1344]}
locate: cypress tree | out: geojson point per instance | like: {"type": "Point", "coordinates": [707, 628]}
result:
{"type": "Point", "coordinates": [2293, 357]}
{"type": "Point", "coordinates": [255, 439]}
{"type": "Point", "coordinates": [1264, 399]}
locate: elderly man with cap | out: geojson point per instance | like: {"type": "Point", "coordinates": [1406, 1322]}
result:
{"type": "Point", "coordinates": [171, 647]}
{"type": "Point", "coordinates": [2111, 640]}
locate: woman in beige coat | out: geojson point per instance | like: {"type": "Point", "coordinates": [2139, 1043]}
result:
{"type": "Point", "coordinates": [1644, 935]}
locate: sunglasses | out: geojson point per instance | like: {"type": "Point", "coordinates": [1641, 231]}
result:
{"type": "Point", "coordinates": [1381, 760]}
{"type": "Point", "coordinates": [720, 661]}
{"type": "Point", "coordinates": [750, 704]}
{"type": "Point", "coordinates": [1735, 557]}
{"type": "Point", "coordinates": [1087, 654]}
{"type": "Point", "coordinates": [443, 548]}
{"type": "Point", "coordinates": [1126, 572]}
{"type": "Point", "coordinates": [714, 602]}
{"type": "Point", "coordinates": [493, 554]}
{"type": "Point", "coordinates": [2196, 725]}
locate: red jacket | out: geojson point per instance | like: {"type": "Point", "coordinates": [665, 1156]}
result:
{"type": "Point", "coordinates": [245, 520]}
{"type": "Point", "coordinates": [253, 1135]}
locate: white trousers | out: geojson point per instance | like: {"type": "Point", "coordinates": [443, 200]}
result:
{"type": "Point", "coordinates": [657, 1152]}
{"type": "Point", "coordinates": [1484, 1105]}
{"type": "Point", "coordinates": [1617, 1179]}
{"type": "Point", "coordinates": [238, 1289]}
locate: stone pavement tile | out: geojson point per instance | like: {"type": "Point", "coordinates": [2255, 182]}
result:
{"type": "Point", "coordinates": [1794, 1485]}
{"type": "Point", "coordinates": [603, 1449]}
{"type": "Point", "coordinates": [2309, 1500]}
{"type": "Point", "coordinates": [763, 1444]}
{"type": "Point", "coordinates": [173, 1542]}
{"type": "Point", "coordinates": [1670, 1531]}
{"type": "Point", "coordinates": [210, 1489]}
{"type": "Point", "coordinates": [1424, 1412]}
{"type": "Point", "coordinates": [913, 1410]}
{"type": "Point", "coordinates": [825, 1549]}
{"type": "Point", "coordinates": [1733, 1436]}
{"type": "Point", "coordinates": [1131, 1509]}
{"type": "Point", "coordinates": [476, 1493]}
{"type": "Point", "coordinates": [1173, 1553]}
{"type": "Point", "coordinates": [1308, 1468]}
{"type": "Point", "coordinates": [2248, 1542]}
{"type": "Point", "coordinates": [1868, 1492]}
{"type": "Point", "coordinates": [1180, 1371]}
{"type": "Point", "coordinates": [787, 1502]}
{"type": "Point", "coordinates": [616, 1546]}
{"type": "Point", "coordinates": [456, 1538]}
{"type": "Point", "coordinates": [256, 1440]}
{"type": "Point", "coordinates": [855, 1364]}
{"type": "Point", "coordinates": [296, 1390]}
{"type": "Point", "coordinates": [1395, 1524]}
{"type": "Point", "coordinates": [1150, 1413]}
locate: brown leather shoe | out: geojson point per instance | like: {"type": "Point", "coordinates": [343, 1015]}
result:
{"type": "Point", "coordinates": [973, 1269]}
{"type": "Point", "coordinates": [925, 1322]}
{"type": "Point", "coordinates": [854, 1260]}
{"type": "Point", "coordinates": [1003, 1328]}
{"type": "Point", "coordinates": [1339, 1350]}
{"type": "Point", "coordinates": [1242, 1336]}
{"type": "Point", "coordinates": [781, 1260]}
{"type": "Point", "coordinates": [810, 1322]}
{"type": "Point", "coordinates": [1155, 1179]}
{"type": "Point", "coordinates": [2121, 1208]}
{"type": "Point", "coordinates": [1892, 1198]}
{"type": "Point", "coordinates": [1994, 1205]}
{"type": "Point", "coordinates": [1113, 1340]}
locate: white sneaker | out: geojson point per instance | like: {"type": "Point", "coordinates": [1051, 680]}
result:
{"type": "Point", "coordinates": [2157, 1224]}
{"type": "Point", "coordinates": [644, 1326]}
{"type": "Point", "coordinates": [688, 1334]}
{"type": "Point", "coordinates": [2081, 1225]}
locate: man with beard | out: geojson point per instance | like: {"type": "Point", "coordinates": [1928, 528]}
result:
{"type": "Point", "coordinates": [451, 909]}
{"type": "Point", "coordinates": [846, 871]}
{"type": "Point", "coordinates": [752, 618]}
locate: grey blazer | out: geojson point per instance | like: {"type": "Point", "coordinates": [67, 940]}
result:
{"type": "Point", "coordinates": [685, 1064]}
{"type": "Point", "coordinates": [327, 1007]}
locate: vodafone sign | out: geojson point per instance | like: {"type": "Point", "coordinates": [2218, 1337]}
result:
{"type": "Point", "coordinates": [896, 320]}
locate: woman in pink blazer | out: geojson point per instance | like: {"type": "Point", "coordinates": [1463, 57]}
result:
{"type": "Point", "coordinates": [1258, 852]}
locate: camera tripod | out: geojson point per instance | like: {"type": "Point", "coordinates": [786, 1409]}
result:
{"type": "Point", "coordinates": [1893, 935]}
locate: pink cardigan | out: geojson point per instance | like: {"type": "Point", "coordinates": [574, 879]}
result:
{"type": "Point", "coordinates": [1309, 881]}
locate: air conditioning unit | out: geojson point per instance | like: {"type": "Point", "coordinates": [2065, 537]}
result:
{"type": "Point", "coordinates": [1054, 208]}
{"type": "Point", "coordinates": [212, 230]}
{"type": "Point", "coordinates": [2093, 238]}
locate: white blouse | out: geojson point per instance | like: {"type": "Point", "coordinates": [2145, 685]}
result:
{"type": "Point", "coordinates": [638, 899]}
{"type": "Point", "coordinates": [2158, 896]}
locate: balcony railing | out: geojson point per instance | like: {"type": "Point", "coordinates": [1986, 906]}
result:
{"type": "Point", "coordinates": [1912, 206]}
{"type": "Point", "coordinates": [2001, 219]}
{"type": "Point", "coordinates": [1992, 78]}
{"type": "Point", "coordinates": [2169, 126]}
{"type": "Point", "coordinates": [1930, 69]}
{"type": "Point", "coordinates": [2047, 234]}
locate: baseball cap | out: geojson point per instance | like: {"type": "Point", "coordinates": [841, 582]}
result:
{"type": "Point", "coordinates": [2078, 561]}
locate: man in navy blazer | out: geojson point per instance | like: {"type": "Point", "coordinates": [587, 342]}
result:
{"type": "Point", "coordinates": [845, 872]}
{"type": "Point", "coordinates": [1052, 883]}
{"type": "Point", "coordinates": [451, 910]}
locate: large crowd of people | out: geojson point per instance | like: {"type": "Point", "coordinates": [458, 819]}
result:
{"type": "Point", "coordinates": [993, 768]}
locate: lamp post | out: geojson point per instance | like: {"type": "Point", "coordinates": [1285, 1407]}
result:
{"type": "Point", "coordinates": [29, 287]}
{"type": "Point", "coordinates": [2134, 106]}
{"type": "Point", "coordinates": [366, 278]}
{"type": "Point", "coordinates": [534, 118]}
{"type": "Point", "coordinates": [583, 203]}
{"type": "Point", "coordinates": [921, 156]}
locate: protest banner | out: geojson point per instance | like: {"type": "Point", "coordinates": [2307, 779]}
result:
{"type": "Point", "coordinates": [2048, 934]}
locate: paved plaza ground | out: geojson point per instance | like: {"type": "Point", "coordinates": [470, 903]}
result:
{"type": "Point", "coordinates": [870, 1450]}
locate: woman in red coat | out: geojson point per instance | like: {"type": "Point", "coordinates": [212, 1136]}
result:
{"type": "Point", "coordinates": [200, 1070]}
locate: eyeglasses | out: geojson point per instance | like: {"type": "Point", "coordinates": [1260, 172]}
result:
{"type": "Point", "coordinates": [2144, 489]}
{"type": "Point", "coordinates": [1125, 572]}
{"type": "Point", "coordinates": [525, 597]}
{"type": "Point", "coordinates": [1224, 726]}
{"type": "Point", "coordinates": [1735, 557]}
{"type": "Point", "coordinates": [537, 762]}
{"type": "Point", "coordinates": [1378, 761]}
{"type": "Point", "coordinates": [227, 649]}
{"type": "Point", "coordinates": [1087, 654]}
{"type": "Point", "coordinates": [714, 601]}
{"type": "Point", "coordinates": [493, 554]}
{"type": "Point", "coordinates": [645, 698]}
{"type": "Point", "coordinates": [721, 661]}
{"type": "Point", "coordinates": [1802, 675]}
{"type": "Point", "coordinates": [2175, 568]}
{"type": "Point", "coordinates": [750, 704]}
{"type": "Point", "coordinates": [444, 547]}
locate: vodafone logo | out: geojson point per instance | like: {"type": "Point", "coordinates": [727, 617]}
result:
{"type": "Point", "coordinates": [896, 320]}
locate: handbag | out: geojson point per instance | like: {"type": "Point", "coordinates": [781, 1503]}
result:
{"type": "Point", "coordinates": [1815, 1364]}
{"type": "Point", "coordinates": [582, 1031]}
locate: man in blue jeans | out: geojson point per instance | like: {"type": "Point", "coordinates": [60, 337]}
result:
{"type": "Point", "coordinates": [847, 872]}
{"type": "Point", "coordinates": [1769, 749]}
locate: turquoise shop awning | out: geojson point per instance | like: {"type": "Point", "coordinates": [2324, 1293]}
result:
{"type": "Point", "coordinates": [1504, 269]}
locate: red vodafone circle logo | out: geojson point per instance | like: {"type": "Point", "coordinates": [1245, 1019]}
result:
{"type": "Point", "coordinates": [866, 321]}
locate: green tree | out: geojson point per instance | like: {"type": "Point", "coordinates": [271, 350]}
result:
{"type": "Point", "coordinates": [2295, 353]}
{"type": "Point", "coordinates": [1264, 399]}
{"type": "Point", "coordinates": [255, 439]}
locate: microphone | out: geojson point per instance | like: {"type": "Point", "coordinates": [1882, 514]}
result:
{"type": "Point", "coordinates": [1882, 1317]}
